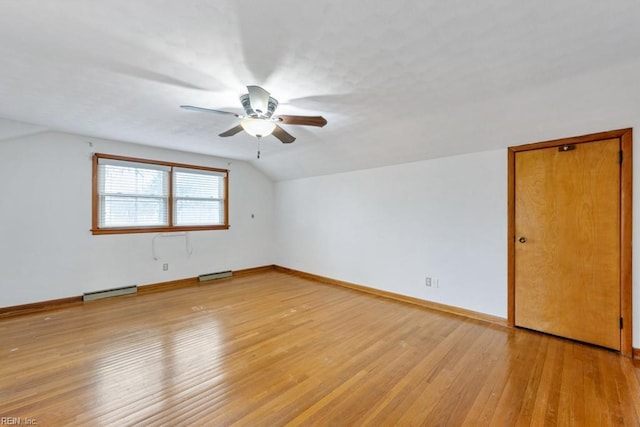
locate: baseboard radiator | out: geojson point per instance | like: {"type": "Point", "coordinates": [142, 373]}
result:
{"type": "Point", "coordinates": [108, 293]}
{"type": "Point", "coordinates": [214, 276]}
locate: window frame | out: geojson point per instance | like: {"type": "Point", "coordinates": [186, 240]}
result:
{"type": "Point", "coordinates": [95, 229]}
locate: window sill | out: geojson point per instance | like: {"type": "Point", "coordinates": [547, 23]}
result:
{"type": "Point", "coordinates": [134, 230]}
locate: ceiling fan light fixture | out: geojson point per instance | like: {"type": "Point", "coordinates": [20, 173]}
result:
{"type": "Point", "coordinates": [258, 127]}
{"type": "Point", "coordinates": [258, 119]}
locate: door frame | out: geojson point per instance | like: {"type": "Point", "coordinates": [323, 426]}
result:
{"type": "Point", "coordinates": [626, 177]}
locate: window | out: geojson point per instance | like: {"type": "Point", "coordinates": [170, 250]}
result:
{"type": "Point", "coordinates": [136, 196]}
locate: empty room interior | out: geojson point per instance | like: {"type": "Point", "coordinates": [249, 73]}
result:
{"type": "Point", "coordinates": [327, 213]}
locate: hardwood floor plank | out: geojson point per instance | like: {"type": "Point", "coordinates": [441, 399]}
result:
{"type": "Point", "coordinates": [270, 348]}
{"type": "Point", "coordinates": [571, 409]}
{"type": "Point", "coordinates": [482, 410]}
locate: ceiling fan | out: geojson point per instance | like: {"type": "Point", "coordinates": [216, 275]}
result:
{"type": "Point", "coordinates": [259, 120]}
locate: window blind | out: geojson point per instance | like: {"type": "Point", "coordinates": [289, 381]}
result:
{"type": "Point", "coordinates": [198, 197]}
{"type": "Point", "coordinates": [132, 194]}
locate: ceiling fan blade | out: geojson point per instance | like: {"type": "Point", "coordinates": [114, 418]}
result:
{"type": "Point", "coordinates": [232, 131]}
{"type": "Point", "coordinates": [259, 99]}
{"type": "Point", "coordinates": [283, 135]}
{"type": "Point", "coordinates": [303, 120]}
{"type": "Point", "coordinates": [208, 110]}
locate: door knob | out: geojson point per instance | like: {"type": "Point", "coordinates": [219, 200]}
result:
{"type": "Point", "coordinates": [522, 239]}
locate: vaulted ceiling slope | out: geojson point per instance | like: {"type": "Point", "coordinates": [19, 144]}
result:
{"type": "Point", "coordinates": [398, 81]}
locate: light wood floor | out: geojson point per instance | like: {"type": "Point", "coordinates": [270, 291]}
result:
{"type": "Point", "coordinates": [273, 349]}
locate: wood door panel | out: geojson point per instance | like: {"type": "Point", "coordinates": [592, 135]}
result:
{"type": "Point", "coordinates": [567, 273]}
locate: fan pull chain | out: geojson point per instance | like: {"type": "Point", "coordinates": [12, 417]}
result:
{"type": "Point", "coordinates": [258, 147]}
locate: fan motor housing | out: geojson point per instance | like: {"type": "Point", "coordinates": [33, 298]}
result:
{"type": "Point", "coordinates": [250, 112]}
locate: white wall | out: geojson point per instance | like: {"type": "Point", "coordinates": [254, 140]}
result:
{"type": "Point", "coordinates": [386, 228]}
{"type": "Point", "coordinates": [47, 251]}
{"type": "Point", "coordinates": [390, 227]}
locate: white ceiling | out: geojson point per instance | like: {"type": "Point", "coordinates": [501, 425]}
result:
{"type": "Point", "coordinates": [398, 81]}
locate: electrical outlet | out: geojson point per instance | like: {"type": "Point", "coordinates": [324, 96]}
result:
{"type": "Point", "coordinates": [427, 282]}
{"type": "Point", "coordinates": [165, 267]}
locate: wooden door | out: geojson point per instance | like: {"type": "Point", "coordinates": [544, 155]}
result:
{"type": "Point", "coordinates": [567, 241]}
